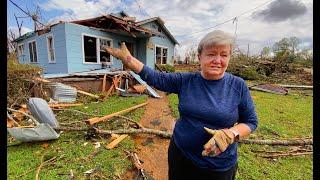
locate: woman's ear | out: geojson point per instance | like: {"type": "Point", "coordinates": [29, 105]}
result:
{"type": "Point", "coordinates": [198, 56]}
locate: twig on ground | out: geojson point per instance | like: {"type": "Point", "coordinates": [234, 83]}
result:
{"type": "Point", "coordinates": [44, 163]}
{"type": "Point", "coordinates": [291, 142]}
{"type": "Point", "coordinates": [74, 110]}
{"type": "Point", "coordinates": [39, 167]}
{"type": "Point", "coordinates": [75, 122]}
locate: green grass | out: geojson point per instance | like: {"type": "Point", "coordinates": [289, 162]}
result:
{"type": "Point", "coordinates": [280, 117]}
{"type": "Point", "coordinates": [71, 146]}
{"type": "Point", "coordinates": [173, 104]}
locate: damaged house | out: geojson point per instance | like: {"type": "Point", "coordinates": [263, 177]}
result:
{"type": "Point", "coordinates": [70, 47]}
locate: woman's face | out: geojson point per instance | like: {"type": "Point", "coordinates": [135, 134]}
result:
{"type": "Point", "coordinates": [214, 61]}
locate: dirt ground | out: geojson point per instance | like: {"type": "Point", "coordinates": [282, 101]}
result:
{"type": "Point", "coordinates": [152, 150]}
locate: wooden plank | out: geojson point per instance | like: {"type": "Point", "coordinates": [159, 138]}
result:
{"type": "Point", "coordinates": [109, 116]}
{"type": "Point", "coordinates": [295, 86]}
{"type": "Point", "coordinates": [65, 105]}
{"type": "Point", "coordinates": [42, 80]}
{"type": "Point", "coordinates": [24, 106]}
{"type": "Point", "coordinates": [88, 94]}
{"type": "Point", "coordinates": [115, 142]}
{"type": "Point", "coordinates": [104, 81]}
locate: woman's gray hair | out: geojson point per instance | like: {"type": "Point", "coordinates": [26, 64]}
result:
{"type": "Point", "coordinates": [216, 37]}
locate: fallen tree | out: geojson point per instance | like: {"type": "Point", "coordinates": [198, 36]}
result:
{"type": "Point", "coordinates": [164, 134]}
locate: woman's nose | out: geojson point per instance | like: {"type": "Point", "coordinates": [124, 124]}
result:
{"type": "Point", "coordinates": [216, 59]}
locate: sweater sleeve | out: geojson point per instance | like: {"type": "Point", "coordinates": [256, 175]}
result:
{"type": "Point", "coordinates": [168, 82]}
{"type": "Point", "coordinates": [247, 113]}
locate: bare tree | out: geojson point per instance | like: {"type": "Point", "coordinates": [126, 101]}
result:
{"type": "Point", "coordinates": [11, 46]}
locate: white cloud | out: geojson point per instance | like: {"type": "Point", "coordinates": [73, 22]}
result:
{"type": "Point", "coordinates": [183, 17]}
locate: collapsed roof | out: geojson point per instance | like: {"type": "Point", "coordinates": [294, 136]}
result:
{"type": "Point", "coordinates": [112, 23]}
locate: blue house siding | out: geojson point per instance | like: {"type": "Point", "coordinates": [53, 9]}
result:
{"type": "Point", "coordinates": [163, 41]}
{"type": "Point", "coordinates": [142, 50]}
{"type": "Point", "coordinates": [69, 50]}
{"type": "Point", "coordinates": [60, 66]}
{"type": "Point", "coordinates": [74, 46]}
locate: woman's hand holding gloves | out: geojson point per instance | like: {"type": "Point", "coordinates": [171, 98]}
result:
{"type": "Point", "coordinates": [219, 142]}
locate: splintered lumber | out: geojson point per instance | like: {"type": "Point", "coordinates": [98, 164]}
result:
{"type": "Point", "coordinates": [42, 80]}
{"type": "Point", "coordinates": [104, 81]}
{"type": "Point", "coordinates": [57, 105]}
{"type": "Point", "coordinates": [115, 142]}
{"type": "Point", "coordinates": [104, 118]}
{"type": "Point", "coordinates": [64, 105]}
{"type": "Point", "coordinates": [88, 94]}
{"type": "Point", "coordinates": [291, 142]}
{"type": "Point", "coordinates": [79, 91]}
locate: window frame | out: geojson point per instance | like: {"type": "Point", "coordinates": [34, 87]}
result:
{"type": "Point", "coordinates": [19, 52]}
{"type": "Point", "coordinates": [53, 48]}
{"type": "Point", "coordinates": [155, 53]}
{"type": "Point", "coordinates": [97, 48]}
{"type": "Point", "coordinates": [34, 40]}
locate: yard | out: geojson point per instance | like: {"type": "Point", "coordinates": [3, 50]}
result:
{"type": "Point", "coordinates": [280, 117]}
{"type": "Point", "coordinates": [75, 151]}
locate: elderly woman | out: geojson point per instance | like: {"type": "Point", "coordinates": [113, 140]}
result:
{"type": "Point", "coordinates": [215, 107]}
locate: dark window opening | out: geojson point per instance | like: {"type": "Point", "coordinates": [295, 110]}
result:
{"type": "Point", "coordinates": [161, 55]}
{"type": "Point", "coordinates": [158, 55]}
{"type": "Point", "coordinates": [90, 49]}
{"type": "Point", "coordinates": [33, 52]}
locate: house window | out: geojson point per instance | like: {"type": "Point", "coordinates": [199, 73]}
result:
{"type": "Point", "coordinates": [93, 51]}
{"type": "Point", "coordinates": [161, 55]}
{"type": "Point", "coordinates": [90, 49]}
{"type": "Point", "coordinates": [50, 47]}
{"type": "Point", "coordinates": [104, 56]}
{"type": "Point", "coordinates": [33, 51]}
{"type": "Point", "coordinates": [20, 50]}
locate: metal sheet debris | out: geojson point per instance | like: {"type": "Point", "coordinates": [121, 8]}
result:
{"type": "Point", "coordinates": [41, 132]}
{"type": "Point", "coordinates": [150, 90]}
{"type": "Point", "coordinates": [63, 93]}
{"type": "Point", "coordinates": [42, 112]}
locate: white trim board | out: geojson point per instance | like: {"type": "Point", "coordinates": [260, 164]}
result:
{"type": "Point", "coordinates": [97, 48]}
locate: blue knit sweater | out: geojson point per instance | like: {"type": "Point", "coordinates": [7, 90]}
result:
{"type": "Point", "coordinates": [215, 104]}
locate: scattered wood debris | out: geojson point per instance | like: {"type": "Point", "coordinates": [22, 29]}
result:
{"type": "Point", "coordinates": [271, 88]}
{"type": "Point", "coordinates": [104, 118]}
{"type": "Point", "coordinates": [115, 142]}
{"type": "Point", "coordinates": [137, 164]}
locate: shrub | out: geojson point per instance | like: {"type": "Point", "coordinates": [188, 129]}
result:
{"type": "Point", "coordinates": [166, 67]}
{"type": "Point", "coordinates": [20, 82]}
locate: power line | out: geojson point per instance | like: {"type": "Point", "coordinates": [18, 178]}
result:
{"type": "Point", "coordinates": [231, 19]}
{"type": "Point", "coordinates": [30, 15]}
{"type": "Point", "coordinates": [143, 9]}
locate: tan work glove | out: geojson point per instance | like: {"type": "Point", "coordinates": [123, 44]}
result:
{"type": "Point", "coordinates": [123, 53]}
{"type": "Point", "coordinates": [218, 143]}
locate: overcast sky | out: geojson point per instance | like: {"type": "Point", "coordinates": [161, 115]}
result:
{"type": "Point", "coordinates": [259, 23]}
